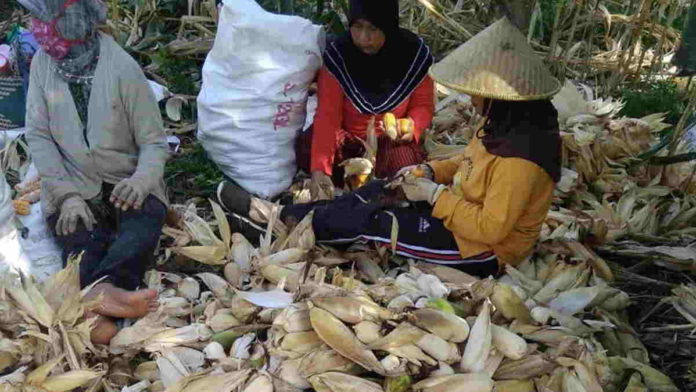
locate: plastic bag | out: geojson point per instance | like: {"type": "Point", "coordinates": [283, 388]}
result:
{"type": "Point", "coordinates": [254, 94]}
{"type": "Point", "coordinates": [12, 257]}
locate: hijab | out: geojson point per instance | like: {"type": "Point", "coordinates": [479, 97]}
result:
{"type": "Point", "coordinates": [378, 83]}
{"type": "Point", "coordinates": [67, 31]}
{"type": "Point", "coordinates": [524, 129]}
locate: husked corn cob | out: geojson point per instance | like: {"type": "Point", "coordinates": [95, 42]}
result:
{"type": "Point", "coordinates": [21, 207]}
{"type": "Point", "coordinates": [407, 127]}
{"type": "Point", "coordinates": [390, 126]}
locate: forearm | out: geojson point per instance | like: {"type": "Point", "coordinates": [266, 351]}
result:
{"type": "Point", "coordinates": [49, 163]}
{"type": "Point", "coordinates": [445, 170]}
{"type": "Point", "coordinates": [470, 220]}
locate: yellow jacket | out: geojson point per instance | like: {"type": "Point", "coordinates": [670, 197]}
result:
{"type": "Point", "coordinates": [493, 203]}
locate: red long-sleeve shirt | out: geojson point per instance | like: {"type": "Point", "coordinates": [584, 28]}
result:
{"type": "Point", "coordinates": [337, 114]}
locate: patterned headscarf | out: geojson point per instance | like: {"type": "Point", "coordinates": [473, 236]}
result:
{"type": "Point", "coordinates": [67, 31]}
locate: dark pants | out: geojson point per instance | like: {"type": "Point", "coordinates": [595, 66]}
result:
{"type": "Point", "coordinates": [120, 247]}
{"type": "Point", "coordinates": [366, 216]}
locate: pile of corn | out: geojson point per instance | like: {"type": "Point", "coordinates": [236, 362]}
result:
{"type": "Point", "coordinates": [292, 316]}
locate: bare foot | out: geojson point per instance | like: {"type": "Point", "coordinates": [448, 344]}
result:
{"type": "Point", "coordinates": [121, 303]}
{"type": "Point", "coordinates": [104, 329]}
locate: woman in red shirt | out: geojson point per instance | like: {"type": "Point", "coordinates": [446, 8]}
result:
{"type": "Point", "coordinates": [374, 69]}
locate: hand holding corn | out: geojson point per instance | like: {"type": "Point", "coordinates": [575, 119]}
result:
{"type": "Point", "coordinates": [321, 187]}
{"type": "Point", "coordinates": [401, 130]}
{"type": "Point", "coordinates": [421, 171]}
{"type": "Point", "coordinates": [421, 189]}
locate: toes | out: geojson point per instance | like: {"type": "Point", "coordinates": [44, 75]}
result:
{"type": "Point", "coordinates": [151, 294]}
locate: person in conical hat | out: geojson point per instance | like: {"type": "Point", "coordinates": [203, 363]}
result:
{"type": "Point", "coordinates": [483, 208]}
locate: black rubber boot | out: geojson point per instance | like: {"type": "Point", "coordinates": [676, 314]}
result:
{"type": "Point", "coordinates": [234, 198]}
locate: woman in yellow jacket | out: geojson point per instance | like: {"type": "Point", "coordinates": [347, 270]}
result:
{"type": "Point", "coordinates": [480, 209]}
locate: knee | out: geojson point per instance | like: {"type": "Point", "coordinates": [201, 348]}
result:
{"type": "Point", "coordinates": [80, 238]}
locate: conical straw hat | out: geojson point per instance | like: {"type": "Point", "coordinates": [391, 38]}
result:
{"type": "Point", "coordinates": [497, 63]}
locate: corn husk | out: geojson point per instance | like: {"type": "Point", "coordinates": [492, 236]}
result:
{"type": "Point", "coordinates": [508, 343]}
{"type": "Point", "coordinates": [528, 367]}
{"type": "Point", "coordinates": [340, 382]}
{"type": "Point", "coordinates": [69, 380]}
{"type": "Point", "coordinates": [367, 332]}
{"type": "Point", "coordinates": [340, 338]}
{"type": "Point", "coordinates": [510, 304]}
{"type": "Point", "coordinates": [479, 345]}
{"type": "Point", "coordinates": [515, 386]}
{"type": "Point", "coordinates": [353, 310]}
{"type": "Point", "coordinates": [473, 382]}
{"type": "Point", "coordinates": [445, 325]}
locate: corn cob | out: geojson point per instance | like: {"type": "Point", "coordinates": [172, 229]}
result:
{"type": "Point", "coordinates": [515, 386]}
{"type": "Point", "coordinates": [367, 332]}
{"type": "Point", "coordinates": [189, 288]}
{"type": "Point", "coordinates": [340, 382]}
{"type": "Point", "coordinates": [407, 129]}
{"type": "Point", "coordinates": [301, 342]}
{"type": "Point", "coordinates": [223, 320]}
{"type": "Point", "coordinates": [69, 381]}
{"type": "Point", "coordinates": [472, 382]}
{"type": "Point", "coordinates": [261, 383]}
{"type": "Point", "coordinates": [445, 325]}
{"type": "Point", "coordinates": [390, 127]}
{"type": "Point", "coordinates": [509, 304]}
{"type": "Point", "coordinates": [438, 348]}
{"type": "Point", "coordinates": [322, 361]}
{"type": "Point", "coordinates": [508, 343]}
{"type": "Point", "coordinates": [527, 367]}
{"type": "Point", "coordinates": [478, 346]}
{"type": "Point", "coordinates": [339, 337]}
{"type": "Point", "coordinates": [21, 207]}
{"type": "Point", "coordinates": [353, 310]}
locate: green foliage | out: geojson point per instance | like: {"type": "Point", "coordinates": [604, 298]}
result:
{"type": "Point", "coordinates": [544, 26]}
{"type": "Point", "coordinates": [192, 173]}
{"type": "Point", "coordinates": [324, 12]}
{"type": "Point", "coordinates": [182, 73]}
{"type": "Point", "coordinates": [654, 97]}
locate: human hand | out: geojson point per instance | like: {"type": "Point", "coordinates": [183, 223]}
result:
{"type": "Point", "coordinates": [321, 187]}
{"type": "Point", "coordinates": [423, 170]}
{"type": "Point", "coordinates": [406, 129]}
{"type": "Point", "coordinates": [129, 193]}
{"type": "Point", "coordinates": [421, 189]}
{"type": "Point", "coordinates": [73, 209]}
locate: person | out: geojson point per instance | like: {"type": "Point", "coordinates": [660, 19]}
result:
{"type": "Point", "coordinates": [96, 137]}
{"type": "Point", "coordinates": [480, 209]}
{"type": "Point", "coordinates": [373, 69]}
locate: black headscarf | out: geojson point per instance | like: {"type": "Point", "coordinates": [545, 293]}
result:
{"type": "Point", "coordinates": [527, 130]}
{"type": "Point", "coordinates": [379, 83]}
